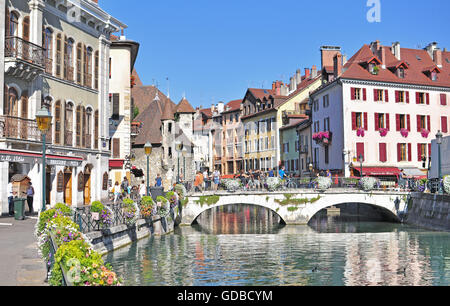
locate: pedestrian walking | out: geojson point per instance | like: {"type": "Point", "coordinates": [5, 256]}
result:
{"type": "Point", "coordinates": [11, 195]}
{"type": "Point", "coordinates": [30, 197]}
{"type": "Point", "coordinates": [142, 189]}
{"type": "Point", "coordinates": [158, 181]}
{"type": "Point", "coordinates": [117, 192]}
{"type": "Point", "coordinates": [216, 179]}
{"type": "Point", "coordinates": [198, 183]}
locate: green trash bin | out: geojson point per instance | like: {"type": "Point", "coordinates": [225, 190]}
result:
{"type": "Point", "coordinates": [19, 208]}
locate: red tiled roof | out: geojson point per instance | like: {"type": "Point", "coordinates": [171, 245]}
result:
{"type": "Point", "coordinates": [417, 60]}
{"type": "Point", "coordinates": [233, 106]}
{"type": "Point", "coordinates": [184, 107]}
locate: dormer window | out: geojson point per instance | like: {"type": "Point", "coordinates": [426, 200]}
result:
{"type": "Point", "coordinates": [433, 75]}
{"type": "Point", "coordinates": [401, 72]}
{"type": "Point", "coordinates": [432, 72]}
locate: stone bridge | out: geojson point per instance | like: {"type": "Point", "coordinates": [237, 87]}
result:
{"type": "Point", "coordinates": [296, 207]}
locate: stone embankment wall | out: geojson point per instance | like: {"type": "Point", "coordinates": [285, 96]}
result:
{"type": "Point", "coordinates": [117, 237]}
{"type": "Point", "coordinates": [430, 211]}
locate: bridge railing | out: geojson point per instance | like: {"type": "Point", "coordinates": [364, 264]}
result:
{"type": "Point", "coordinates": [382, 184]}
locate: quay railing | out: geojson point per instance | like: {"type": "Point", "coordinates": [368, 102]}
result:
{"type": "Point", "coordinates": [297, 183]}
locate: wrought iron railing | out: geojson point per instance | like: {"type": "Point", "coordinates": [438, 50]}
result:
{"type": "Point", "coordinates": [53, 249]}
{"type": "Point", "coordinates": [18, 48]}
{"type": "Point", "coordinates": [22, 129]}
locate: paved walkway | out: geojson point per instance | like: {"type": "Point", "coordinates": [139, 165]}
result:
{"type": "Point", "coordinates": [20, 264]}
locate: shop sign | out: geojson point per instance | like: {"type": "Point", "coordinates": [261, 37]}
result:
{"type": "Point", "coordinates": [16, 158]}
{"type": "Point", "coordinates": [64, 163]}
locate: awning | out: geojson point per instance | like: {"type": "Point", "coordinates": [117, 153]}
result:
{"type": "Point", "coordinates": [414, 172]}
{"type": "Point", "coordinates": [29, 157]}
{"type": "Point", "coordinates": [379, 171]}
{"type": "Point", "coordinates": [116, 163]}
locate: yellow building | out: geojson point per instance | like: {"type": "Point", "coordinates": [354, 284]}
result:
{"type": "Point", "coordinates": [262, 117]}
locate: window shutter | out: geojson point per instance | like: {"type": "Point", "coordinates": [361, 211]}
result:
{"type": "Point", "coordinates": [116, 148]}
{"type": "Point", "coordinates": [383, 157]}
{"type": "Point", "coordinates": [428, 99]}
{"type": "Point", "coordinates": [443, 99]}
{"type": "Point", "coordinates": [444, 124]}
{"type": "Point", "coordinates": [407, 96]}
{"type": "Point", "coordinates": [429, 123]}
{"type": "Point", "coordinates": [408, 122]}
{"type": "Point", "coordinates": [364, 94]}
{"type": "Point", "coordinates": [375, 95]}
{"type": "Point", "coordinates": [366, 122]}
{"type": "Point", "coordinates": [388, 123]}
{"type": "Point", "coordinates": [399, 152]}
{"type": "Point", "coordinates": [417, 97]}
{"type": "Point", "coordinates": [377, 122]}
{"type": "Point", "coordinates": [409, 152]}
{"type": "Point", "coordinates": [397, 97]}
{"type": "Point", "coordinates": [397, 119]}
{"type": "Point", "coordinates": [429, 150]}
{"type": "Point", "coordinates": [353, 121]}
{"type": "Point", "coordinates": [353, 93]}
{"type": "Point", "coordinates": [419, 128]}
{"type": "Point", "coordinates": [419, 152]}
{"type": "Point", "coordinates": [360, 149]}
{"type": "Point", "coordinates": [116, 105]}
{"type": "Point", "coordinates": [386, 93]}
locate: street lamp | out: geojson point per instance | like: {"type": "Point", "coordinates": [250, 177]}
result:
{"type": "Point", "coordinates": [178, 148]}
{"type": "Point", "coordinates": [148, 151]}
{"type": "Point", "coordinates": [439, 142]}
{"type": "Point", "coordinates": [361, 160]}
{"type": "Point", "coordinates": [43, 119]}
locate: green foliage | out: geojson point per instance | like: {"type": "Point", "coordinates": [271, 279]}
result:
{"type": "Point", "coordinates": [208, 200]}
{"type": "Point", "coordinates": [184, 202]}
{"type": "Point", "coordinates": [44, 218]}
{"type": "Point", "coordinates": [290, 201]}
{"type": "Point", "coordinates": [292, 208]}
{"type": "Point", "coordinates": [97, 207]}
{"type": "Point", "coordinates": [161, 199]}
{"type": "Point", "coordinates": [135, 112]}
{"type": "Point", "coordinates": [66, 210]}
{"type": "Point", "coordinates": [128, 202]}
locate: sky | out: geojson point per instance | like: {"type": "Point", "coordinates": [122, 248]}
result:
{"type": "Point", "coordinates": [212, 50]}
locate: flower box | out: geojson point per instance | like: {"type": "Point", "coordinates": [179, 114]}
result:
{"type": "Point", "coordinates": [95, 216]}
{"type": "Point", "coordinates": [360, 132]}
{"type": "Point", "coordinates": [425, 133]}
{"type": "Point", "coordinates": [404, 132]}
{"type": "Point", "coordinates": [383, 132]}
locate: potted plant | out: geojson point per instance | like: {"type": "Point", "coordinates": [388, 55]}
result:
{"type": "Point", "coordinates": [323, 183]}
{"type": "Point", "coordinates": [146, 207]}
{"type": "Point", "coordinates": [368, 183]}
{"type": "Point", "coordinates": [383, 132]}
{"type": "Point", "coordinates": [425, 133]}
{"type": "Point", "coordinates": [96, 209]}
{"type": "Point", "coordinates": [360, 132]}
{"type": "Point", "coordinates": [130, 211]}
{"type": "Point", "coordinates": [404, 132]}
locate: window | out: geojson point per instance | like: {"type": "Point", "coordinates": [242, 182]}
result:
{"type": "Point", "coordinates": [443, 99]}
{"type": "Point", "coordinates": [403, 122]}
{"type": "Point", "coordinates": [26, 28]}
{"type": "Point", "coordinates": [444, 126]}
{"type": "Point", "coordinates": [48, 46]}
{"type": "Point", "coordinates": [58, 122]}
{"type": "Point", "coordinates": [12, 107]}
{"type": "Point", "coordinates": [116, 106]}
{"type": "Point", "coordinates": [421, 151]}
{"type": "Point", "coordinates": [359, 120]}
{"type": "Point", "coordinates": [434, 75]}
{"type": "Point", "coordinates": [423, 123]}
{"type": "Point", "coordinates": [83, 127]}
{"type": "Point", "coordinates": [68, 125]}
{"type": "Point", "coordinates": [326, 101]}
{"type": "Point", "coordinates": [326, 155]}
{"type": "Point", "coordinates": [13, 24]}
{"type": "Point", "coordinates": [422, 98]}
{"type": "Point", "coordinates": [326, 124]}
{"type": "Point", "coordinates": [88, 67]}
{"type": "Point", "coordinates": [401, 72]}
{"type": "Point", "coordinates": [116, 148]}
{"type": "Point", "coordinates": [401, 96]}
{"type": "Point", "coordinates": [79, 62]}
{"type": "Point", "coordinates": [58, 54]}
{"type": "Point", "coordinates": [78, 126]}
{"type": "Point", "coordinates": [404, 152]}
{"type": "Point", "coordinates": [381, 121]}
{"type": "Point", "coordinates": [360, 150]}
{"type": "Point", "coordinates": [88, 128]}
{"type": "Point", "coordinates": [68, 59]}
{"type": "Point", "coordinates": [96, 71]}
{"type": "Point", "coordinates": [358, 94]}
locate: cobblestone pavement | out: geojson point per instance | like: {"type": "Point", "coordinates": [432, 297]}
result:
{"type": "Point", "coordinates": [20, 264]}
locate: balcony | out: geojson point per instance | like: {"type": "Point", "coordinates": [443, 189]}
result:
{"type": "Point", "coordinates": [22, 129]}
{"type": "Point", "coordinates": [23, 59]}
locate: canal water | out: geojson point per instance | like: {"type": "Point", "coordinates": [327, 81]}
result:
{"type": "Point", "coordinates": [246, 245]}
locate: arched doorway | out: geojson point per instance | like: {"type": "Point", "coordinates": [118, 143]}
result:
{"type": "Point", "coordinates": [87, 185]}
{"type": "Point", "coordinates": [68, 186]}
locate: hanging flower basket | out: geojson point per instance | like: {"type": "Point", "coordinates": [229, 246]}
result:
{"type": "Point", "coordinates": [322, 137]}
{"type": "Point", "coordinates": [404, 132]}
{"type": "Point", "coordinates": [383, 132]}
{"type": "Point", "coordinates": [425, 133]}
{"type": "Point", "coordinates": [360, 132]}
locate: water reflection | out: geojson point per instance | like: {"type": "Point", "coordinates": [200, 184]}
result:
{"type": "Point", "coordinates": [238, 219]}
{"type": "Point", "coordinates": [336, 252]}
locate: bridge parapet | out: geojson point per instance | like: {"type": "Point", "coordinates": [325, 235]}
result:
{"type": "Point", "coordinates": [294, 207]}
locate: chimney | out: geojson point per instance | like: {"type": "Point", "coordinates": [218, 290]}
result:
{"type": "Point", "coordinates": [430, 49]}
{"type": "Point", "coordinates": [437, 57]}
{"type": "Point", "coordinates": [283, 90]}
{"type": "Point", "coordinates": [337, 65]}
{"type": "Point", "coordinates": [293, 84]}
{"type": "Point", "coordinates": [306, 73]}
{"type": "Point", "coordinates": [396, 50]}
{"type": "Point", "coordinates": [298, 76]}
{"type": "Point", "coordinates": [314, 72]}
{"type": "Point", "coordinates": [375, 46]}
{"type": "Point", "coordinates": [344, 60]}
{"type": "Point", "coordinates": [278, 88]}
{"type": "Point", "coordinates": [383, 57]}
{"type": "Point", "coordinates": [328, 53]}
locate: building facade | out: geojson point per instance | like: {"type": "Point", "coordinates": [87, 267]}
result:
{"type": "Point", "coordinates": [382, 108]}
{"type": "Point", "coordinates": [56, 56]}
{"type": "Point", "coordinates": [123, 55]}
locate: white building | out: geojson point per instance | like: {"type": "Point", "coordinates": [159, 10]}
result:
{"type": "Point", "coordinates": [55, 54]}
{"type": "Point", "coordinates": [385, 104]}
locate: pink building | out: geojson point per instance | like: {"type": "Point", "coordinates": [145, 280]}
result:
{"type": "Point", "coordinates": [385, 104]}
